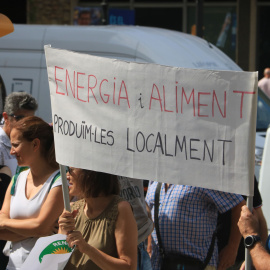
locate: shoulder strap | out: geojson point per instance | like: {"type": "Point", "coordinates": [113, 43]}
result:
{"type": "Point", "coordinates": [157, 195]}
{"type": "Point", "coordinates": [20, 169]}
{"type": "Point", "coordinates": [14, 178]}
{"type": "Point", "coordinates": [210, 250]}
{"type": "Point", "coordinates": [13, 181]}
{"type": "Point", "coordinates": [56, 177]}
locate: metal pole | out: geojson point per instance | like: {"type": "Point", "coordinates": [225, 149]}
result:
{"type": "Point", "coordinates": [65, 187]}
{"type": "Point", "coordinates": [104, 6]}
{"type": "Point", "coordinates": [184, 20]}
{"type": "Point", "coordinates": [248, 261]}
{"type": "Point", "coordinates": [199, 18]}
{"type": "Point", "coordinates": [131, 4]}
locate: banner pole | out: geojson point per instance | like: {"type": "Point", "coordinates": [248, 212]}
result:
{"type": "Point", "coordinates": [65, 187]}
{"type": "Point", "coordinates": [248, 261]}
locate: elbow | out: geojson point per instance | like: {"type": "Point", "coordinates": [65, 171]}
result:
{"type": "Point", "coordinates": [41, 229]}
{"type": "Point", "coordinates": [44, 232]}
{"type": "Point", "coordinates": [133, 266]}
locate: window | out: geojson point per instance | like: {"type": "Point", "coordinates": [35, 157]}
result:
{"type": "Point", "coordinates": [222, 33]}
{"type": "Point", "coordinates": [263, 112]}
{"type": "Point", "coordinates": [170, 18]}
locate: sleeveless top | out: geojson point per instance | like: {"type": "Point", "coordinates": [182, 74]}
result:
{"type": "Point", "coordinates": [23, 208]}
{"type": "Point", "coordinates": [97, 232]}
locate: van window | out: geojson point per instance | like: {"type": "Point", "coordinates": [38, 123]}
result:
{"type": "Point", "coordinates": [263, 111]}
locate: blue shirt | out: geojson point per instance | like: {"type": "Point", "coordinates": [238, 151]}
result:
{"type": "Point", "coordinates": [188, 219]}
{"type": "Point", "coordinates": [5, 147]}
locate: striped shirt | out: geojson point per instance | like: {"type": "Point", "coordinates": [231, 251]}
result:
{"type": "Point", "coordinates": [188, 219]}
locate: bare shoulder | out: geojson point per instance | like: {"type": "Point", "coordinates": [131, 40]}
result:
{"type": "Point", "coordinates": [124, 207]}
{"type": "Point", "coordinates": [125, 217]}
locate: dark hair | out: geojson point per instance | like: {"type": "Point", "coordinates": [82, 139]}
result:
{"type": "Point", "coordinates": [94, 183]}
{"type": "Point", "coordinates": [33, 127]}
{"type": "Point", "coordinates": [18, 101]}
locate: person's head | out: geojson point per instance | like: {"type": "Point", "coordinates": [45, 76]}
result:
{"type": "Point", "coordinates": [86, 183]}
{"type": "Point", "coordinates": [17, 106]}
{"type": "Point", "coordinates": [31, 139]}
{"type": "Point", "coordinates": [84, 17]}
{"type": "Point", "coordinates": [267, 72]}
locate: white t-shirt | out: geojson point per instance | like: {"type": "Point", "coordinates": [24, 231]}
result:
{"type": "Point", "coordinates": [264, 84]}
{"type": "Point", "coordinates": [22, 208]}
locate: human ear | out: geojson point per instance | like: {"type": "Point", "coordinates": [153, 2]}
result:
{"type": "Point", "coordinates": [36, 143]}
{"type": "Point", "coordinates": [5, 116]}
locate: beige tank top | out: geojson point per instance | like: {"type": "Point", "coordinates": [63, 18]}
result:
{"type": "Point", "coordinates": [98, 232]}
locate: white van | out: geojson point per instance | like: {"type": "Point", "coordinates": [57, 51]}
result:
{"type": "Point", "coordinates": [23, 67]}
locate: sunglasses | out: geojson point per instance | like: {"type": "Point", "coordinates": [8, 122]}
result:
{"type": "Point", "coordinates": [17, 117]}
{"type": "Point", "coordinates": [70, 170]}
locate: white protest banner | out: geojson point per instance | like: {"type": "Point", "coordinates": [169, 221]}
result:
{"type": "Point", "coordinates": [146, 121]}
{"type": "Point", "coordinates": [51, 252]}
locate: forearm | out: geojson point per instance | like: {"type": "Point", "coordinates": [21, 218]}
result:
{"type": "Point", "coordinates": [27, 227]}
{"type": "Point", "coordinates": [228, 254]}
{"type": "Point", "coordinates": [149, 245]}
{"type": "Point", "coordinates": [105, 261]}
{"type": "Point", "coordinates": [235, 235]}
{"type": "Point", "coordinates": [11, 236]}
{"type": "Point", "coordinates": [263, 231]}
{"type": "Point", "coordinates": [260, 257]}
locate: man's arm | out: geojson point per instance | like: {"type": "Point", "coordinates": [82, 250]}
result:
{"type": "Point", "coordinates": [228, 254]}
{"type": "Point", "coordinates": [249, 225]}
{"type": "Point", "coordinates": [260, 257]}
{"type": "Point", "coordinates": [263, 231]}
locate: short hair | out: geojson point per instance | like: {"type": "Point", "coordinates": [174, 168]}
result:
{"type": "Point", "coordinates": [93, 183]}
{"type": "Point", "coordinates": [19, 101]}
{"type": "Point", "coordinates": [266, 71]}
{"type": "Point", "coordinates": [32, 127]}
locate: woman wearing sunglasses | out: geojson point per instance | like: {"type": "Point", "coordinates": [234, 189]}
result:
{"type": "Point", "coordinates": [101, 225]}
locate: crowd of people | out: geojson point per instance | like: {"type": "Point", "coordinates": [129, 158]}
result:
{"type": "Point", "coordinates": [111, 223]}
